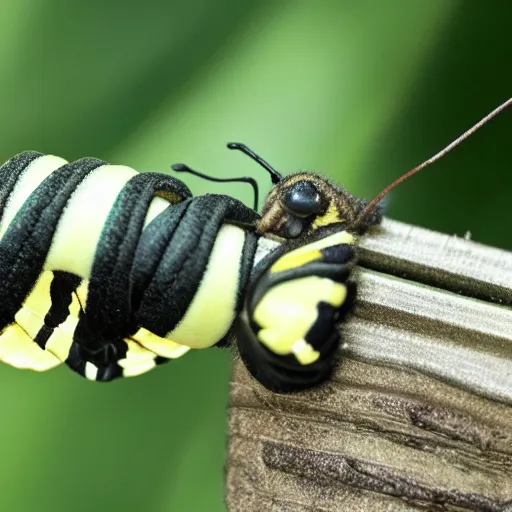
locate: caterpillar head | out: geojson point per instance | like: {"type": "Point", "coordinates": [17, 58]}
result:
{"type": "Point", "coordinates": [301, 203]}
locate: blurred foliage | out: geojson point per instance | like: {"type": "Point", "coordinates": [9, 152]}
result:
{"type": "Point", "coordinates": [361, 91]}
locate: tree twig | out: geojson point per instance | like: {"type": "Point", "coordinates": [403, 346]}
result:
{"type": "Point", "coordinates": [418, 414]}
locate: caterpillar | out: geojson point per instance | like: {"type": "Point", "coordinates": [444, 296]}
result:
{"type": "Point", "coordinates": [114, 272]}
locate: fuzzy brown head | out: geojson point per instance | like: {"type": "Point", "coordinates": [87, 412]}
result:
{"type": "Point", "coordinates": [301, 203]}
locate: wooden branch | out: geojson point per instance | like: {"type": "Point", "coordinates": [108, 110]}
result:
{"type": "Point", "coordinates": [418, 415]}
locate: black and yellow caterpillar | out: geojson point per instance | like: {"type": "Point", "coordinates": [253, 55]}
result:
{"type": "Point", "coordinates": [113, 272]}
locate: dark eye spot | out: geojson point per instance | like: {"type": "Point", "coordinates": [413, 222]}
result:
{"type": "Point", "coordinates": [302, 199]}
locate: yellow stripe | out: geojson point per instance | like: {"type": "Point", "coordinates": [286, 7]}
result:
{"type": "Point", "coordinates": [291, 260]}
{"type": "Point", "coordinates": [331, 216]}
{"type": "Point", "coordinates": [160, 346]}
{"type": "Point", "coordinates": [35, 307]}
{"type": "Point", "coordinates": [304, 352]}
{"type": "Point", "coordinates": [138, 360]}
{"type": "Point", "coordinates": [39, 298]}
{"type": "Point", "coordinates": [211, 312]}
{"type": "Point", "coordinates": [31, 321]}
{"type": "Point", "coordinates": [288, 311]}
{"type": "Point", "coordinates": [17, 345]}
{"type": "Point", "coordinates": [19, 350]}
{"type": "Point", "coordinates": [311, 252]}
{"type": "Point", "coordinates": [60, 341]}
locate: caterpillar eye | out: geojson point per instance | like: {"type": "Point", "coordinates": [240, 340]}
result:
{"type": "Point", "coordinates": [302, 199]}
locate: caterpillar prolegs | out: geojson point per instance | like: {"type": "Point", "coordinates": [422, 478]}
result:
{"type": "Point", "coordinates": [113, 272]}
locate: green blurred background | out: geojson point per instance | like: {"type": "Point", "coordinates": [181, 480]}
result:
{"type": "Point", "coordinates": [360, 91]}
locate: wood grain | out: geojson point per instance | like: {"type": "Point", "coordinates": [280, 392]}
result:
{"type": "Point", "coordinates": [418, 415]}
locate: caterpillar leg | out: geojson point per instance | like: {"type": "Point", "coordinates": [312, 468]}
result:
{"type": "Point", "coordinates": [104, 359]}
{"type": "Point", "coordinates": [127, 357]}
{"type": "Point", "coordinates": [124, 358]}
{"type": "Point", "coordinates": [287, 334]}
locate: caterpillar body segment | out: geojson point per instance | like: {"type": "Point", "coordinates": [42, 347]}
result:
{"type": "Point", "coordinates": [287, 334]}
{"type": "Point", "coordinates": [111, 271]}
